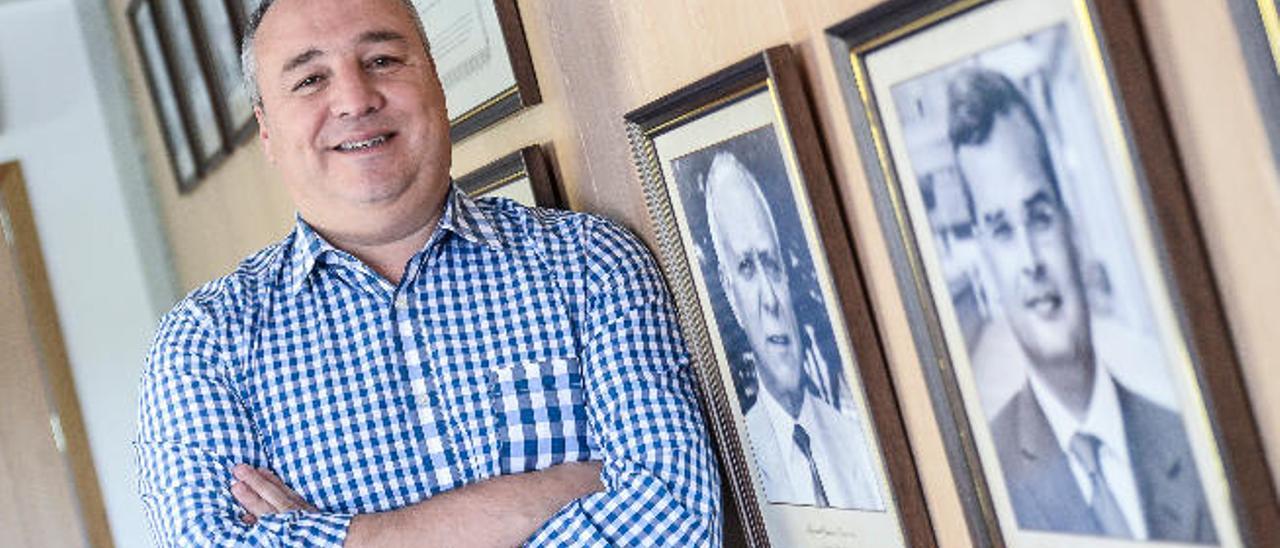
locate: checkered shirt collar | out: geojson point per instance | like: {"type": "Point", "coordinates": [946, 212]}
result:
{"type": "Point", "coordinates": [461, 217]}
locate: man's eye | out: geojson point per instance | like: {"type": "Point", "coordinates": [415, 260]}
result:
{"type": "Point", "coordinates": [307, 82]}
{"type": "Point", "coordinates": [1040, 218]}
{"type": "Point", "coordinates": [1001, 231]}
{"type": "Point", "coordinates": [747, 267]}
{"type": "Point", "coordinates": [383, 61]}
{"type": "Point", "coordinates": [771, 265]}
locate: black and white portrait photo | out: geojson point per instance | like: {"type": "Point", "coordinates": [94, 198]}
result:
{"type": "Point", "coordinates": [1027, 231]}
{"type": "Point", "coordinates": [755, 259]}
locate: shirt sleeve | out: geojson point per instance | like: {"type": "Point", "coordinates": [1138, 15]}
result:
{"type": "Point", "coordinates": [192, 429]}
{"type": "Point", "coordinates": [661, 485]}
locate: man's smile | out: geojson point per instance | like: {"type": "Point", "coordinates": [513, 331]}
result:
{"type": "Point", "coordinates": [362, 144]}
{"type": "Point", "coordinates": [1044, 302]}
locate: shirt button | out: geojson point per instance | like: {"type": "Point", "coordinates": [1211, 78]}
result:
{"type": "Point", "coordinates": [402, 302]}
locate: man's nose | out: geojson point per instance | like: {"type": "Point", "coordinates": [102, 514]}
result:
{"type": "Point", "coordinates": [354, 95]}
{"type": "Point", "coordinates": [1028, 256]}
{"type": "Point", "coordinates": [769, 301]}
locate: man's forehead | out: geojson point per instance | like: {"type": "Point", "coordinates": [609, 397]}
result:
{"type": "Point", "coordinates": [292, 26]}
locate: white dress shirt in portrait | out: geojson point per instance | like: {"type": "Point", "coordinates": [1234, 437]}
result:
{"type": "Point", "coordinates": [837, 443]}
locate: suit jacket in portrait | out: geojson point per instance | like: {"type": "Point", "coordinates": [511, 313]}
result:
{"type": "Point", "coordinates": [1044, 491]}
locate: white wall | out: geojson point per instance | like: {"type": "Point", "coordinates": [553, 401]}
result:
{"type": "Point", "coordinates": [106, 263]}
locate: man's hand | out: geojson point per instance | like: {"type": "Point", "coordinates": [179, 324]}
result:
{"type": "Point", "coordinates": [500, 511]}
{"type": "Point", "coordinates": [260, 492]}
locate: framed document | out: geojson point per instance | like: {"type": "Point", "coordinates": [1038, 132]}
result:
{"type": "Point", "coordinates": [483, 60]}
{"type": "Point", "coordinates": [217, 28]}
{"type": "Point", "coordinates": [1059, 292]}
{"type": "Point", "coordinates": [155, 64]}
{"type": "Point", "coordinates": [1258, 22]}
{"type": "Point", "coordinates": [524, 176]}
{"type": "Point", "coordinates": [195, 96]}
{"type": "Point", "coordinates": [772, 307]}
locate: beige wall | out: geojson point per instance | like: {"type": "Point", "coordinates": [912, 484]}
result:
{"type": "Point", "coordinates": [597, 59]}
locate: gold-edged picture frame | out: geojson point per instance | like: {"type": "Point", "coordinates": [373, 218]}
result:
{"type": "Point", "coordinates": [1051, 266]}
{"type": "Point", "coordinates": [755, 248]}
{"type": "Point", "coordinates": [525, 176]}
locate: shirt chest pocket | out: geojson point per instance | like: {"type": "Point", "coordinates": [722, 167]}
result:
{"type": "Point", "coordinates": [540, 414]}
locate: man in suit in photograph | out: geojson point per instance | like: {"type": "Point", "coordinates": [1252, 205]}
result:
{"type": "Point", "coordinates": [1080, 452]}
{"type": "Point", "coordinates": [809, 452]}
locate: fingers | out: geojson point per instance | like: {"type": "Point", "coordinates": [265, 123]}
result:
{"type": "Point", "coordinates": [260, 492]}
{"type": "Point", "coordinates": [296, 502]}
{"type": "Point", "coordinates": [250, 500]}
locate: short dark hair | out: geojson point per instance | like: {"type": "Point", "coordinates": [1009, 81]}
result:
{"type": "Point", "coordinates": [975, 98]}
{"type": "Point", "coordinates": [249, 57]}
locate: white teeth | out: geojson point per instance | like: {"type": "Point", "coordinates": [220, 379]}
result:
{"type": "Point", "coordinates": [360, 145]}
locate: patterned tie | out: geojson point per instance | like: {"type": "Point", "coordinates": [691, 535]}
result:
{"type": "Point", "coordinates": [802, 439]}
{"type": "Point", "coordinates": [1105, 508]}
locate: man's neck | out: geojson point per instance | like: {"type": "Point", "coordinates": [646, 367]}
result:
{"type": "Point", "coordinates": [1071, 383]}
{"type": "Point", "coordinates": [387, 249]}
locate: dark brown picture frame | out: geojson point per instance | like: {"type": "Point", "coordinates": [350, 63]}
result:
{"type": "Point", "coordinates": [524, 92]}
{"type": "Point", "coordinates": [235, 130]}
{"type": "Point", "coordinates": [169, 36]}
{"type": "Point", "coordinates": [776, 68]}
{"type": "Point", "coordinates": [1176, 232]}
{"type": "Point", "coordinates": [530, 162]}
{"type": "Point", "coordinates": [155, 68]}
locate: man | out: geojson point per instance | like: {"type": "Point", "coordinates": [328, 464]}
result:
{"type": "Point", "coordinates": [808, 451]}
{"type": "Point", "coordinates": [409, 367]}
{"type": "Point", "coordinates": [1080, 452]}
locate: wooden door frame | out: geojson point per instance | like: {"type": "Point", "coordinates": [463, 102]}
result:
{"type": "Point", "coordinates": [19, 225]}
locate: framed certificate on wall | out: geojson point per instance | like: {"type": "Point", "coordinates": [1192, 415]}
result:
{"type": "Point", "coordinates": [483, 60]}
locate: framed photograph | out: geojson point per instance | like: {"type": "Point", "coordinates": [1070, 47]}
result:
{"type": "Point", "coordinates": [483, 61]}
{"type": "Point", "coordinates": [524, 176]}
{"type": "Point", "coordinates": [216, 26]}
{"type": "Point", "coordinates": [1258, 22]}
{"type": "Point", "coordinates": [155, 64]}
{"type": "Point", "coordinates": [195, 96]}
{"type": "Point", "coordinates": [756, 251]}
{"type": "Point", "coordinates": [1053, 274]}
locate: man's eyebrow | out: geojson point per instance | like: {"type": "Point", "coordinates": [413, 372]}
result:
{"type": "Point", "coordinates": [301, 59]}
{"type": "Point", "coordinates": [371, 37]}
{"type": "Point", "coordinates": [1041, 197]}
{"type": "Point", "coordinates": [377, 36]}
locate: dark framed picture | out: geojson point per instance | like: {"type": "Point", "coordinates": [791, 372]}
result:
{"type": "Point", "coordinates": [772, 307]}
{"type": "Point", "coordinates": [146, 34]}
{"type": "Point", "coordinates": [524, 176]}
{"type": "Point", "coordinates": [190, 83]}
{"type": "Point", "coordinates": [1054, 276]}
{"type": "Point", "coordinates": [218, 31]}
{"type": "Point", "coordinates": [1258, 22]}
{"type": "Point", "coordinates": [483, 60]}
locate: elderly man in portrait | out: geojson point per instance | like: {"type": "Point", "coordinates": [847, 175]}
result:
{"type": "Point", "coordinates": [809, 452]}
{"type": "Point", "coordinates": [1080, 452]}
{"type": "Point", "coordinates": [408, 366]}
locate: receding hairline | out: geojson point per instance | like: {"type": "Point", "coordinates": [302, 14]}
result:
{"type": "Point", "coordinates": [725, 166]}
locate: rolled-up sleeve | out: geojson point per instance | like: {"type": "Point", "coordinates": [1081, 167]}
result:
{"type": "Point", "coordinates": [661, 485]}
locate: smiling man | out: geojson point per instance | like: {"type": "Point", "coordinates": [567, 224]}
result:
{"type": "Point", "coordinates": [408, 366]}
{"type": "Point", "coordinates": [1081, 453]}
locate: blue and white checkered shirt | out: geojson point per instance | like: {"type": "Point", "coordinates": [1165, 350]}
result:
{"type": "Point", "coordinates": [518, 339]}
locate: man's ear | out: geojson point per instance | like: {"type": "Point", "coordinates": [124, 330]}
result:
{"type": "Point", "coordinates": [263, 137]}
